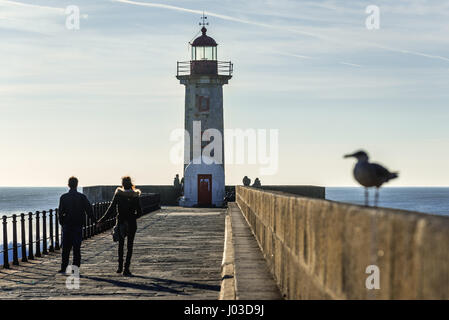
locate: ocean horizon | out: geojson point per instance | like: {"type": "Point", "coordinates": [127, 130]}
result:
{"type": "Point", "coordinates": [431, 200]}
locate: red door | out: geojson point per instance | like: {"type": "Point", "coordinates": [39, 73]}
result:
{"type": "Point", "coordinates": [204, 189]}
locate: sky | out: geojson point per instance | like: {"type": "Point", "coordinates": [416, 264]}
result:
{"type": "Point", "coordinates": [100, 102]}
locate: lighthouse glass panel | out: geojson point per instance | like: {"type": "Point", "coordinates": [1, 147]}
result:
{"type": "Point", "coordinates": [204, 53]}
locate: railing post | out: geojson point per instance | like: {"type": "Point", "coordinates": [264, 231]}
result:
{"type": "Point", "coordinates": [84, 228]}
{"type": "Point", "coordinates": [30, 236]}
{"type": "Point", "coordinates": [91, 227]}
{"type": "Point", "coordinates": [110, 220]}
{"type": "Point", "coordinates": [44, 232]}
{"type": "Point", "coordinates": [5, 244]}
{"type": "Point", "coordinates": [96, 217]}
{"type": "Point", "coordinates": [99, 215]}
{"type": "Point", "coordinates": [105, 222]}
{"type": "Point", "coordinates": [23, 246]}
{"type": "Point", "coordinates": [100, 208]}
{"type": "Point", "coordinates": [89, 230]}
{"type": "Point", "coordinates": [15, 253]}
{"type": "Point", "coordinates": [57, 247]}
{"type": "Point", "coordinates": [106, 225]}
{"type": "Point", "coordinates": [38, 236]}
{"type": "Point", "coordinates": [52, 242]}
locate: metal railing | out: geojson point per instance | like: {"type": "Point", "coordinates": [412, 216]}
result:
{"type": "Point", "coordinates": [225, 68]}
{"type": "Point", "coordinates": [36, 242]}
{"type": "Point", "coordinates": [185, 68]}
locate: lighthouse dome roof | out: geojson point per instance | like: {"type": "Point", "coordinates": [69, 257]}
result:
{"type": "Point", "coordinates": [204, 40]}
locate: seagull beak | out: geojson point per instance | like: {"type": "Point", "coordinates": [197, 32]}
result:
{"type": "Point", "coordinates": [348, 156]}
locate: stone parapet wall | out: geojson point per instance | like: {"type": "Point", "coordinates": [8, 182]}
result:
{"type": "Point", "coordinates": [318, 249]}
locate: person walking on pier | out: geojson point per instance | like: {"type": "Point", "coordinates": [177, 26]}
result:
{"type": "Point", "coordinates": [126, 206]}
{"type": "Point", "coordinates": [73, 206]}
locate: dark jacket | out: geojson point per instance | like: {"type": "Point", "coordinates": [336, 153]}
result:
{"type": "Point", "coordinates": [125, 204]}
{"type": "Point", "coordinates": [73, 208]}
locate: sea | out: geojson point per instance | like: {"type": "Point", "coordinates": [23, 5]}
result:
{"type": "Point", "coordinates": [18, 200]}
{"type": "Point", "coordinates": [432, 200]}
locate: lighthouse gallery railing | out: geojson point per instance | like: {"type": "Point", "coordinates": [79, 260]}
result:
{"type": "Point", "coordinates": [184, 68]}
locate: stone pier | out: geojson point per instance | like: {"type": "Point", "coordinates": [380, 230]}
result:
{"type": "Point", "coordinates": [177, 255]}
{"type": "Point", "coordinates": [267, 245]}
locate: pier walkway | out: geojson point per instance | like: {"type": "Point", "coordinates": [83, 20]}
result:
{"type": "Point", "coordinates": [177, 255]}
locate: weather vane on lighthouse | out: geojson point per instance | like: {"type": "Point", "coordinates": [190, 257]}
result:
{"type": "Point", "coordinates": [203, 22]}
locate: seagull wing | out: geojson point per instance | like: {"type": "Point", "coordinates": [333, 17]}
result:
{"type": "Point", "coordinates": [383, 173]}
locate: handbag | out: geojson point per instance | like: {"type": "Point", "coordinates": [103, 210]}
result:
{"type": "Point", "coordinates": [120, 231]}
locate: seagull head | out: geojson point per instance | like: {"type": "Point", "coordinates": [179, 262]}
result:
{"type": "Point", "coordinates": [359, 155]}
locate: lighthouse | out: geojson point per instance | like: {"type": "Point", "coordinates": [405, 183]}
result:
{"type": "Point", "coordinates": [203, 77]}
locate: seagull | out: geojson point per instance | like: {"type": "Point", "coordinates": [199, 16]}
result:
{"type": "Point", "coordinates": [370, 174]}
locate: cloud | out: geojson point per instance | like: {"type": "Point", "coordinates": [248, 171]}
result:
{"type": "Point", "coordinates": [283, 28]}
{"type": "Point", "coordinates": [28, 5]}
{"type": "Point", "coordinates": [351, 64]}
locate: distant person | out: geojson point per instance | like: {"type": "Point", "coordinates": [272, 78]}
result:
{"type": "Point", "coordinates": [257, 183]}
{"type": "Point", "coordinates": [126, 206]}
{"type": "Point", "coordinates": [176, 182]}
{"type": "Point", "coordinates": [73, 208]}
{"type": "Point", "coordinates": [246, 181]}
{"type": "Point", "coordinates": [177, 185]}
{"type": "Point", "coordinates": [182, 186]}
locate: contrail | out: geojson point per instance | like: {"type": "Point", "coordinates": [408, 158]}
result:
{"type": "Point", "coordinates": [351, 64]}
{"type": "Point", "coordinates": [411, 52]}
{"type": "Point", "coordinates": [221, 16]}
{"type": "Point", "coordinates": [21, 4]}
{"type": "Point", "coordinates": [159, 5]}
{"type": "Point", "coordinates": [294, 55]}
{"type": "Point", "coordinates": [310, 34]}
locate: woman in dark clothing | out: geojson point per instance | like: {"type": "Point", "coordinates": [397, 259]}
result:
{"type": "Point", "coordinates": [126, 206]}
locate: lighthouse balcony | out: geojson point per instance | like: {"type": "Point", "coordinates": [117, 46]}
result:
{"type": "Point", "coordinates": [204, 67]}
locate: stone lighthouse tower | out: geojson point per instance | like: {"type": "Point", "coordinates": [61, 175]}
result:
{"type": "Point", "coordinates": [203, 77]}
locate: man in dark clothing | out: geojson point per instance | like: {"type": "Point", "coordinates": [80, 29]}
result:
{"type": "Point", "coordinates": [73, 206]}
